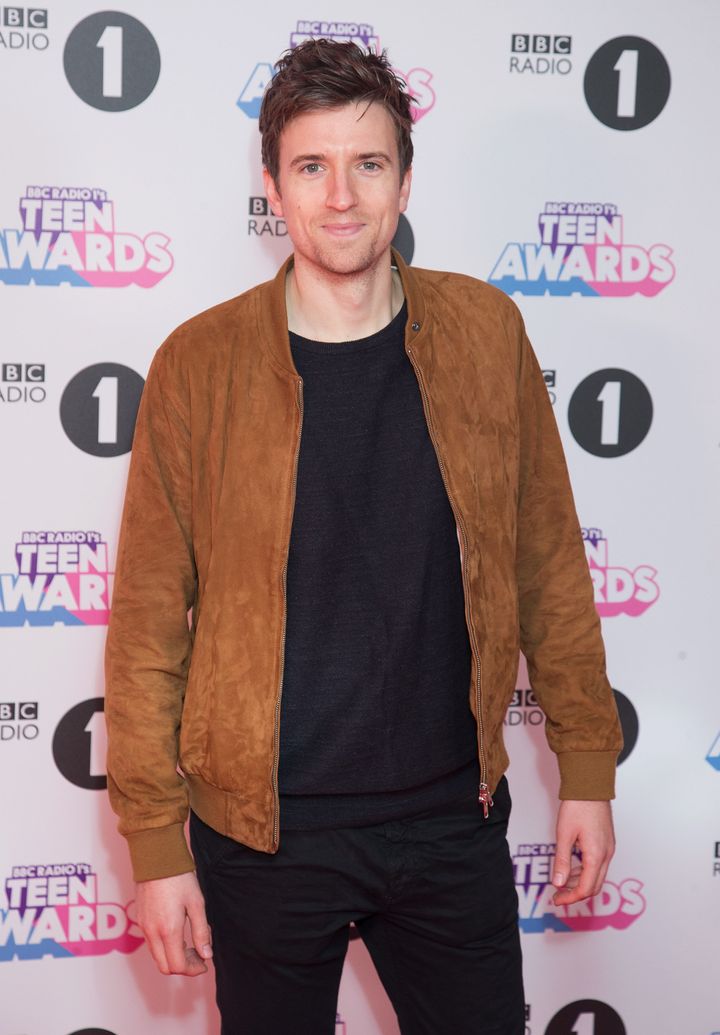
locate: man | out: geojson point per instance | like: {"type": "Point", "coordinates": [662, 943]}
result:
{"type": "Point", "coordinates": [352, 477]}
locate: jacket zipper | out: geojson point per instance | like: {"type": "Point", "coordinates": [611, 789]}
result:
{"type": "Point", "coordinates": [484, 796]}
{"type": "Point", "coordinates": [276, 729]}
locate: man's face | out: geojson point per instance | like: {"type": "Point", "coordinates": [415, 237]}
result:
{"type": "Point", "coordinates": [339, 188]}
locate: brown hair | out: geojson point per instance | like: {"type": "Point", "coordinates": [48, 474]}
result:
{"type": "Point", "coordinates": [322, 73]}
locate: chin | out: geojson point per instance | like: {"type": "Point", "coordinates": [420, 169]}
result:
{"type": "Point", "coordinates": [351, 262]}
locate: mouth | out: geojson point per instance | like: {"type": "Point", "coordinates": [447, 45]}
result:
{"type": "Point", "coordinates": [343, 229]}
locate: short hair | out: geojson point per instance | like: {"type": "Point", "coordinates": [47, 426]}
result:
{"type": "Point", "coordinates": [321, 73]}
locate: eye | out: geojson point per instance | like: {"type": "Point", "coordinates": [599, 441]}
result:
{"type": "Point", "coordinates": [370, 166]}
{"type": "Point", "coordinates": [311, 167]}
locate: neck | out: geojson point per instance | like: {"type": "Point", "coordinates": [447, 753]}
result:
{"type": "Point", "coordinates": [341, 307]}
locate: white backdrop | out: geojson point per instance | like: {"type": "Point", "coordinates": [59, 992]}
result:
{"type": "Point", "coordinates": [599, 119]}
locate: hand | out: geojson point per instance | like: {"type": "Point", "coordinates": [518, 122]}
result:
{"type": "Point", "coordinates": [589, 825]}
{"type": "Point", "coordinates": [162, 907]}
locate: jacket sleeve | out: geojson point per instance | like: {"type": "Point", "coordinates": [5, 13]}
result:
{"type": "Point", "coordinates": [559, 625]}
{"type": "Point", "coordinates": [149, 643]}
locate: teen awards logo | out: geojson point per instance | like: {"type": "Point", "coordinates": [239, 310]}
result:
{"type": "Point", "coordinates": [62, 578]}
{"type": "Point", "coordinates": [55, 910]}
{"type": "Point", "coordinates": [343, 32]}
{"type": "Point", "coordinates": [418, 80]}
{"type": "Point", "coordinates": [581, 250]}
{"type": "Point", "coordinates": [617, 905]}
{"type": "Point", "coordinates": [618, 590]}
{"type": "Point", "coordinates": [68, 235]}
{"type": "Point", "coordinates": [713, 755]}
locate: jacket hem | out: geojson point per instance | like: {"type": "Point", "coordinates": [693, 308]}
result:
{"type": "Point", "coordinates": [587, 775]}
{"type": "Point", "coordinates": [159, 852]}
{"type": "Point", "coordinates": [246, 821]}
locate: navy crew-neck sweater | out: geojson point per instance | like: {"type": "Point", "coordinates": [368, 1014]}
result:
{"type": "Point", "coordinates": [375, 716]}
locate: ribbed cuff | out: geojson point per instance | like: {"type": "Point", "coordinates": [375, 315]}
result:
{"type": "Point", "coordinates": [587, 775]}
{"type": "Point", "coordinates": [160, 852]}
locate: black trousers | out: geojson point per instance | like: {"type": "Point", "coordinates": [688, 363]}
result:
{"type": "Point", "coordinates": [432, 897]}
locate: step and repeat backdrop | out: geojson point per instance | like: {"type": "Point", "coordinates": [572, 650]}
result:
{"type": "Point", "coordinates": [566, 154]}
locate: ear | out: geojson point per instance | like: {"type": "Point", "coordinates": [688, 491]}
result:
{"type": "Point", "coordinates": [273, 194]}
{"type": "Point", "coordinates": [405, 189]}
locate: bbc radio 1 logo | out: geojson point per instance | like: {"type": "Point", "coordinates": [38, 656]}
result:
{"type": "Point", "coordinates": [57, 910]}
{"type": "Point", "coordinates": [60, 578]}
{"type": "Point", "coordinates": [581, 250]}
{"type": "Point", "coordinates": [23, 383]}
{"type": "Point", "coordinates": [618, 590]}
{"type": "Point", "coordinates": [627, 83]}
{"type": "Point", "coordinates": [93, 1031]}
{"type": "Point", "coordinates": [418, 80]}
{"type": "Point", "coordinates": [79, 745]}
{"type": "Point", "coordinates": [629, 722]}
{"type": "Point", "coordinates": [68, 235]}
{"type": "Point", "coordinates": [23, 28]}
{"type": "Point", "coordinates": [550, 379]}
{"type": "Point", "coordinates": [618, 904]}
{"type": "Point", "coordinates": [111, 61]}
{"type": "Point", "coordinates": [610, 412]}
{"type": "Point", "coordinates": [524, 710]}
{"type": "Point", "coordinates": [98, 408]}
{"type": "Point", "coordinates": [586, 1017]}
{"type": "Point", "coordinates": [262, 221]}
{"type": "Point", "coordinates": [18, 721]}
{"type": "Point", "coordinates": [540, 55]}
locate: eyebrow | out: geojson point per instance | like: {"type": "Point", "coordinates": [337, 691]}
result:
{"type": "Point", "coordinates": [363, 156]}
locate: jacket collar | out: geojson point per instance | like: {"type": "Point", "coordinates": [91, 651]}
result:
{"type": "Point", "coordinates": [272, 312]}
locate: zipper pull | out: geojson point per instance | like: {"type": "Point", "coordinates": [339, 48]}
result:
{"type": "Point", "coordinates": [485, 798]}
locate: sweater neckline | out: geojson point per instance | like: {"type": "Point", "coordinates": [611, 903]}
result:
{"type": "Point", "coordinates": [384, 336]}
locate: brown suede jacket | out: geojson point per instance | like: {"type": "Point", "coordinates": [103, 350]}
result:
{"type": "Point", "coordinates": [193, 708]}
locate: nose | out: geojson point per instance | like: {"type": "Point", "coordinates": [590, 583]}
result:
{"type": "Point", "coordinates": [340, 195]}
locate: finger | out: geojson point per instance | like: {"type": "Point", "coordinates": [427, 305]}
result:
{"type": "Point", "coordinates": [199, 928]}
{"type": "Point", "coordinates": [563, 896]}
{"type": "Point", "coordinates": [574, 878]}
{"type": "Point", "coordinates": [585, 884]}
{"type": "Point", "coordinates": [188, 964]}
{"type": "Point", "coordinates": [157, 950]}
{"type": "Point", "coordinates": [194, 966]}
{"type": "Point", "coordinates": [174, 945]}
{"type": "Point", "coordinates": [563, 856]}
{"type": "Point", "coordinates": [601, 876]}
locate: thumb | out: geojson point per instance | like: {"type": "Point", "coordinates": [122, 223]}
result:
{"type": "Point", "coordinates": [200, 929]}
{"type": "Point", "coordinates": [561, 869]}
